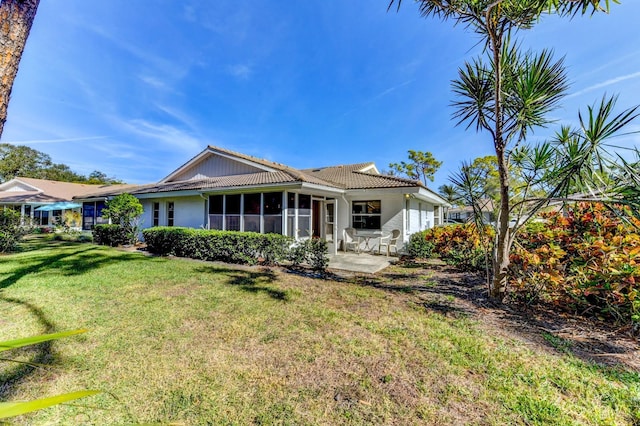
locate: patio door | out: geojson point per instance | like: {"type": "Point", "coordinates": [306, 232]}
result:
{"type": "Point", "coordinates": [330, 229]}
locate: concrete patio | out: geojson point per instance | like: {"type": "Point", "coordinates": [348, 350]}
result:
{"type": "Point", "coordinates": [362, 262]}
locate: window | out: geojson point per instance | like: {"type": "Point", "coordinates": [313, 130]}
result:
{"type": "Point", "coordinates": [291, 214]}
{"type": "Point", "coordinates": [100, 205]}
{"type": "Point", "coordinates": [156, 214]}
{"type": "Point", "coordinates": [304, 215]}
{"type": "Point", "coordinates": [88, 215]}
{"type": "Point", "coordinates": [436, 215]}
{"type": "Point", "coordinates": [272, 210]}
{"type": "Point", "coordinates": [252, 212]}
{"type": "Point", "coordinates": [216, 211]}
{"type": "Point", "coordinates": [170, 213]}
{"type": "Point", "coordinates": [366, 214]}
{"type": "Point", "coordinates": [57, 217]}
{"type": "Point", "coordinates": [232, 212]}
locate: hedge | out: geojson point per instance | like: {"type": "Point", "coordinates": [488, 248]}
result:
{"type": "Point", "coordinates": [110, 235]}
{"type": "Point", "coordinates": [234, 247]}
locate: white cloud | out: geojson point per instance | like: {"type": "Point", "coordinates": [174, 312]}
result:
{"type": "Point", "coordinates": [241, 71]}
{"type": "Point", "coordinates": [605, 84]}
{"type": "Point", "coordinates": [169, 135]}
{"type": "Point", "coordinates": [46, 141]}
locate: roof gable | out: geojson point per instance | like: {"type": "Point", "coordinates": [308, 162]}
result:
{"type": "Point", "coordinates": [17, 185]}
{"type": "Point", "coordinates": [218, 162]}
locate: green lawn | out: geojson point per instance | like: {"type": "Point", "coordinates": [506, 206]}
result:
{"type": "Point", "coordinates": [190, 342]}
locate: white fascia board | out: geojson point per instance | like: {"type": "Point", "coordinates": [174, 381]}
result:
{"type": "Point", "coordinates": [168, 194]}
{"type": "Point", "coordinates": [250, 188]}
{"type": "Point", "coordinates": [430, 196]}
{"type": "Point", "coordinates": [370, 168]}
{"type": "Point", "coordinates": [368, 191]}
{"type": "Point", "coordinates": [322, 188]}
{"type": "Point", "coordinates": [244, 161]}
{"type": "Point", "coordinates": [90, 200]}
{"type": "Point", "coordinates": [186, 165]}
{"type": "Point", "coordinates": [207, 152]}
{"type": "Point", "coordinates": [16, 180]}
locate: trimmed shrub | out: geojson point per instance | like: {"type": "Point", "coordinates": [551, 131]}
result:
{"type": "Point", "coordinates": [312, 252]}
{"type": "Point", "coordinates": [110, 235]}
{"type": "Point", "coordinates": [235, 247]}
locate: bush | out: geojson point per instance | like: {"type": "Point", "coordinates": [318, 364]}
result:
{"type": "Point", "coordinates": [419, 247]}
{"type": "Point", "coordinates": [458, 245]}
{"type": "Point", "coordinates": [125, 210]}
{"type": "Point", "coordinates": [110, 235]}
{"type": "Point", "coordinates": [10, 230]}
{"type": "Point", "coordinates": [312, 252]}
{"type": "Point", "coordinates": [585, 260]}
{"type": "Point", "coordinates": [235, 247]}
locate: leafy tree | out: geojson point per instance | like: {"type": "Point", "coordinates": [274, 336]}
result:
{"type": "Point", "coordinates": [16, 19]}
{"type": "Point", "coordinates": [62, 173]}
{"type": "Point", "coordinates": [125, 210]}
{"type": "Point", "coordinates": [19, 160]}
{"type": "Point", "coordinates": [421, 166]}
{"type": "Point", "coordinates": [508, 92]}
{"type": "Point", "coordinates": [99, 178]}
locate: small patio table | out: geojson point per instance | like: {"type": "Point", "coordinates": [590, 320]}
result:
{"type": "Point", "coordinates": [367, 236]}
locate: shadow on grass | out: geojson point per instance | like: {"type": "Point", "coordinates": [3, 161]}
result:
{"type": "Point", "coordinates": [63, 258]}
{"type": "Point", "coordinates": [41, 354]}
{"type": "Point", "coordinates": [250, 281]}
{"type": "Point", "coordinates": [441, 289]}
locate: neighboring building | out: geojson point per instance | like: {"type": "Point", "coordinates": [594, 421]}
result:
{"type": "Point", "coordinates": [221, 189]}
{"type": "Point", "coordinates": [465, 213]}
{"type": "Point", "coordinates": [42, 202]}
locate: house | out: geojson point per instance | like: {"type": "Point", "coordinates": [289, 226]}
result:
{"type": "Point", "coordinates": [465, 213]}
{"type": "Point", "coordinates": [42, 202]}
{"type": "Point", "coordinates": [226, 190]}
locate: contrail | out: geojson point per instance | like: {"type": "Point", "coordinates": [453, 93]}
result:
{"type": "Point", "coordinates": [37, 141]}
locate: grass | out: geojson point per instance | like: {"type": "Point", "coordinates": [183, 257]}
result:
{"type": "Point", "coordinates": [189, 342]}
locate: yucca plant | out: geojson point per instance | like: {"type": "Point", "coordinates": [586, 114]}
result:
{"type": "Point", "coordinates": [12, 409]}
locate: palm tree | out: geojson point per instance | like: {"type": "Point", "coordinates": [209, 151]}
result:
{"type": "Point", "coordinates": [506, 92]}
{"type": "Point", "coordinates": [449, 193]}
{"type": "Point", "coordinates": [16, 18]}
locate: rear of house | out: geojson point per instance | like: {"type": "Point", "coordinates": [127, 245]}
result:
{"type": "Point", "coordinates": [221, 189]}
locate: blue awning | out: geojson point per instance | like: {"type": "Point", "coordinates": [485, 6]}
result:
{"type": "Point", "coordinates": [58, 206]}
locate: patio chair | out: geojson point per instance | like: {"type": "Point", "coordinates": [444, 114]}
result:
{"type": "Point", "coordinates": [390, 241]}
{"type": "Point", "coordinates": [351, 240]}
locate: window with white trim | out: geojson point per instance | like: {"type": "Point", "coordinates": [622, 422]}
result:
{"type": "Point", "coordinates": [366, 214]}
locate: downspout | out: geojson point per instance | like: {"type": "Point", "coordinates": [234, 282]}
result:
{"type": "Point", "coordinates": [344, 198]}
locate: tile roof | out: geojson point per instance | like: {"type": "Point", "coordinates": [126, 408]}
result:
{"type": "Point", "coordinates": [350, 176]}
{"type": "Point", "coordinates": [49, 191]}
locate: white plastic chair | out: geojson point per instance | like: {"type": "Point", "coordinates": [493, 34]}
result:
{"type": "Point", "coordinates": [351, 240]}
{"type": "Point", "coordinates": [390, 241]}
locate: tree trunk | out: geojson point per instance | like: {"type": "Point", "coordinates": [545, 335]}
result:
{"type": "Point", "coordinates": [498, 284]}
{"type": "Point", "coordinates": [502, 246]}
{"type": "Point", "coordinates": [16, 18]}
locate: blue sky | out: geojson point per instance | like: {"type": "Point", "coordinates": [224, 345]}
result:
{"type": "Point", "coordinates": [136, 88]}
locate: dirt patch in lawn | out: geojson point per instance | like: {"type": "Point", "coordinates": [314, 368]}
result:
{"type": "Point", "coordinates": [441, 288]}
